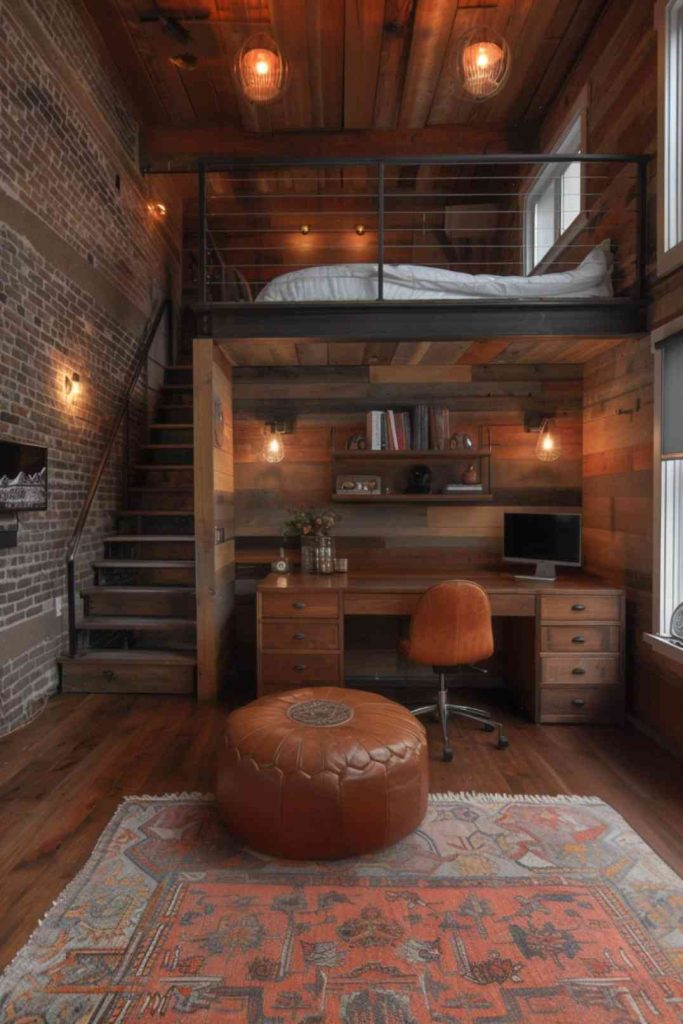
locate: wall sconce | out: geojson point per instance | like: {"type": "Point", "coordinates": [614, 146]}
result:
{"type": "Point", "coordinates": [548, 446]}
{"type": "Point", "coordinates": [273, 445]}
{"type": "Point", "coordinates": [157, 209]}
{"type": "Point", "coordinates": [360, 229]}
{"type": "Point", "coordinates": [72, 385]}
{"type": "Point", "coordinates": [305, 229]}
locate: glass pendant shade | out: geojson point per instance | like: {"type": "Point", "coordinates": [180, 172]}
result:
{"type": "Point", "coordinates": [483, 63]}
{"type": "Point", "coordinates": [273, 447]}
{"type": "Point", "coordinates": [548, 448]}
{"type": "Point", "coordinates": [261, 69]}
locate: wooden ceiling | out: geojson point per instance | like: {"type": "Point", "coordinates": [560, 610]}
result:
{"type": "Point", "coordinates": [406, 356]}
{"type": "Point", "coordinates": [355, 64]}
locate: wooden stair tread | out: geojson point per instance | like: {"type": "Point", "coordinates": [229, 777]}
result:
{"type": "Point", "coordinates": [142, 563]}
{"type": "Point", "coordinates": [171, 426]}
{"type": "Point", "coordinates": [132, 622]}
{"type": "Point", "coordinates": [165, 447]}
{"type": "Point", "coordinates": [128, 538]}
{"type": "Point", "coordinates": [129, 589]}
{"type": "Point", "coordinates": [155, 511]}
{"type": "Point", "coordinates": [95, 655]}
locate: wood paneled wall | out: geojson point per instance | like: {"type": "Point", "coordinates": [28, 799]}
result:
{"type": "Point", "coordinates": [214, 487]}
{"type": "Point", "coordinates": [400, 537]}
{"type": "Point", "coordinates": [619, 68]}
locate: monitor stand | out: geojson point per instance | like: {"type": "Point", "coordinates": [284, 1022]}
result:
{"type": "Point", "coordinates": [545, 573]}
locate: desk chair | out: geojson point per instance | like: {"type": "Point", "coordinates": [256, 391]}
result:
{"type": "Point", "coordinates": [450, 628]}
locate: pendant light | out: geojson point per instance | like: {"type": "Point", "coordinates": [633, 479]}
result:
{"type": "Point", "coordinates": [548, 447]}
{"type": "Point", "coordinates": [273, 445]}
{"type": "Point", "coordinates": [261, 69]}
{"type": "Point", "coordinates": [483, 63]}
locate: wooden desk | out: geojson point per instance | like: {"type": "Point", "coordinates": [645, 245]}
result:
{"type": "Point", "coordinates": [563, 641]}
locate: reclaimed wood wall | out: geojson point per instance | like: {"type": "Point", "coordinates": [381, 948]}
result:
{"type": "Point", "coordinates": [400, 537]}
{"type": "Point", "coordinates": [618, 445]}
{"type": "Point", "coordinates": [214, 486]}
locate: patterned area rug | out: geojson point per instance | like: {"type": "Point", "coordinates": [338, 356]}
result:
{"type": "Point", "coordinates": [497, 910]}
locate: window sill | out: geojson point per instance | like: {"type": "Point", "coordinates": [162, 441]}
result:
{"type": "Point", "coordinates": [663, 645]}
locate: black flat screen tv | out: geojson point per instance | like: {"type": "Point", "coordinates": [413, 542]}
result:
{"type": "Point", "coordinates": [23, 477]}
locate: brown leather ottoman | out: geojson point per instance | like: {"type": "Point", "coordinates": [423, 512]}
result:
{"type": "Point", "coordinates": [322, 773]}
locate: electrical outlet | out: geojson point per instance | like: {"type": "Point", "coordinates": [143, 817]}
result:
{"type": "Point", "coordinates": [58, 607]}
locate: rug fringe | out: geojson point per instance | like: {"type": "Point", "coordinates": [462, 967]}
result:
{"type": "Point", "coordinates": [511, 798]}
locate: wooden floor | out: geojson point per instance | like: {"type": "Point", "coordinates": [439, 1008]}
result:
{"type": "Point", "coordinates": [62, 778]}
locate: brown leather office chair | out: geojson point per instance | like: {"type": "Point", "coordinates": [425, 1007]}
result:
{"type": "Point", "coordinates": [451, 627]}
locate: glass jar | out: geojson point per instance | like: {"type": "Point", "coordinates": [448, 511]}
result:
{"type": "Point", "coordinates": [309, 545]}
{"type": "Point", "coordinates": [324, 555]}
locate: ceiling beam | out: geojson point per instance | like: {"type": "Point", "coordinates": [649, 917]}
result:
{"type": "Point", "coordinates": [166, 148]}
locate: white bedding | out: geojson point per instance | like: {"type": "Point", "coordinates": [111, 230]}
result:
{"type": "Point", "coordinates": [592, 279]}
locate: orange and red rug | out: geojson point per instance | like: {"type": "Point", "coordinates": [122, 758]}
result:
{"type": "Point", "coordinates": [498, 910]}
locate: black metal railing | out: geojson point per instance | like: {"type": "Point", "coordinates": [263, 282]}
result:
{"type": "Point", "coordinates": [499, 214]}
{"type": "Point", "coordinates": [164, 308]}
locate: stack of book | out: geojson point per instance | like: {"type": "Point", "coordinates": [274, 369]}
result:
{"type": "Point", "coordinates": [423, 429]}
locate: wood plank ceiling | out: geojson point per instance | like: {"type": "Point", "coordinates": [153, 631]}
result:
{"type": "Point", "coordinates": [496, 352]}
{"type": "Point", "coordinates": [355, 64]}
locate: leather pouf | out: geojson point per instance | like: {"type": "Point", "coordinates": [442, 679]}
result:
{"type": "Point", "coordinates": [322, 773]}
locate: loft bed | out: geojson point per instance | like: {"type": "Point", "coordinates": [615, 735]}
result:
{"type": "Point", "coordinates": [444, 248]}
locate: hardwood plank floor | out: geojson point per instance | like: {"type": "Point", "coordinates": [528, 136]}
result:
{"type": "Point", "coordinates": [63, 776]}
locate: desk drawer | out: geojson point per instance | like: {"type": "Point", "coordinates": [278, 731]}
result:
{"type": "Point", "coordinates": [566, 669]}
{"type": "Point", "coordinates": [300, 604]}
{"type": "Point", "coordinates": [580, 607]}
{"type": "Point", "coordinates": [296, 635]}
{"type": "Point", "coordinates": [580, 638]}
{"type": "Point", "coordinates": [291, 670]}
{"type": "Point", "coordinates": [581, 703]}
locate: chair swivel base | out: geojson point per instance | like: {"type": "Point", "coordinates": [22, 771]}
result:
{"type": "Point", "coordinates": [444, 710]}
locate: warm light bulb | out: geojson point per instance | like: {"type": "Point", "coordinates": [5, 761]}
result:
{"type": "Point", "coordinates": [72, 385]}
{"type": "Point", "coordinates": [305, 229]}
{"type": "Point", "coordinates": [262, 67]}
{"type": "Point", "coordinates": [360, 229]}
{"type": "Point", "coordinates": [157, 209]}
{"type": "Point", "coordinates": [482, 58]}
{"type": "Point", "coordinates": [548, 445]}
{"type": "Point", "coordinates": [273, 449]}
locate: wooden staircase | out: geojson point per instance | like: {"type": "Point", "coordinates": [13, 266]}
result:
{"type": "Point", "coordinates": [137, 633]}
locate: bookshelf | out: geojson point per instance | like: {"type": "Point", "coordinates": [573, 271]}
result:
{"type": "Point", "coordinates": [392, 467]}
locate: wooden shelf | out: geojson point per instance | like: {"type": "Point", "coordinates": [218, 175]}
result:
{"type": "Point", "coordinates": [474, 497]}
{"type": "Point", "coordinates": [414, 455]}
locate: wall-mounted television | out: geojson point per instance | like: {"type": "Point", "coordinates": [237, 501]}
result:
{"type": "Point", "coordinates": [23, 477]}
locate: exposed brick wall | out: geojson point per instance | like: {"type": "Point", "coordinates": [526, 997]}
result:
{"type": "Point", "coordinates": [73, 297]}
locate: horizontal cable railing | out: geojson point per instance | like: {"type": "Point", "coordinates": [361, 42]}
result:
{"type": "Point", "coordinates": [506, 215]}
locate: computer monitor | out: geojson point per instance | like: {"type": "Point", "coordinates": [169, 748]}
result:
{"type": "Point", "coordinates": [547, 540]}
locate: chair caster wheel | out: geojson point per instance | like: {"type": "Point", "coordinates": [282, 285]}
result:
{"type": "Point", "coordinates": [502, 743]}
{"type": "Point", "coordinates": [447, 755]}
{"type": "Point", "coordinates": [487, 727]}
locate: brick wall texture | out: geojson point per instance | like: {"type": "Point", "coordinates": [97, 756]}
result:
{"type": "Point", "coordinates": [65, 137]}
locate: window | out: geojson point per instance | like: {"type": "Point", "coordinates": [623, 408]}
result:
{"type": "Point", "coordinates": [554, 202]}
{"type": "Point", "coordinates": [671, 492]}
{"type": "Point", "coordinates": [670, 170]}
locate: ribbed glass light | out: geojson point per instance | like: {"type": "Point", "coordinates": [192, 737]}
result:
{"type": "Point", "coordinates": [261, 69]}
{"type": "Point", "coordinates": [548, 447]}
{"type": "Point", "coordinates": [483, 63]}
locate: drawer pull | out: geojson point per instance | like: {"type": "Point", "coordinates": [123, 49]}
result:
{"type": "Point", "coordinates": [299, 668]}
{"type": "Point", "coordinates": [578, 671]}
{"type": "Point", "coordinates": [578, 607]}
{"type": "Point", "coordinates": [299, 636]}
{"type": "Point", "coordinates": [578, 702]}
{"type": "Point", "coordinates": [578, 639]}
{"type": "Point", "coordinates": [298, 604]}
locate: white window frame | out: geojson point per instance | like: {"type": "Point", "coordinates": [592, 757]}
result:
{"type": "Point", "coordinates": [667, 559]}
{"type": "Point", "coordinates": [669, 21]}
{"type": "Point", "coordinates": [571, 139]}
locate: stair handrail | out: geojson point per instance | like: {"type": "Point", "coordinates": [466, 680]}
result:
{"type": "Point", "coordinates": [165, 306]}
